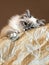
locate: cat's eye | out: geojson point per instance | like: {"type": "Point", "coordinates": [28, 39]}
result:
{"type": "Point", "coordinates": [25, 23]}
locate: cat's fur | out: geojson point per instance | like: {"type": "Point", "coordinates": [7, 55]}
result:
{"type": "Point", "coordinates": [20, 23]}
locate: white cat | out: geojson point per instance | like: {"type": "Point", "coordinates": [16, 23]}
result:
{"type": "Point", "coordinates": [20, 23]}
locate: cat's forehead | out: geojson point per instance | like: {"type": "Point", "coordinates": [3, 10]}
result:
{"type": "Point", "coordinates": [26, 15]}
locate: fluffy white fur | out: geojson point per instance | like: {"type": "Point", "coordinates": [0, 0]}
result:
{"type": "Point", "coordinates": [15, 24]}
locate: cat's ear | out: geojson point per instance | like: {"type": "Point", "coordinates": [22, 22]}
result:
{"type": "Point", "coordinates": [27, 13]}
{"type": "Point", "coordinates": [41, 22]}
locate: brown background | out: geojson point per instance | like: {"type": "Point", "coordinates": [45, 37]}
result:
{"type": "Point", "coordinates": [8, 8]}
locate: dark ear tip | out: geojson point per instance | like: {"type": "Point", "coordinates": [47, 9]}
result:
{"type": "Point", "coordinates": [28, 13]}
{"type": "Point", "coordinates": [43, 20]}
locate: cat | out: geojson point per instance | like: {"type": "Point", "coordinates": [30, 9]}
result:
{"type": "Point", "coordinates": [20, 23]}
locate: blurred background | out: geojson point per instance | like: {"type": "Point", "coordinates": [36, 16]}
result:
{"type": "Point", "coordinates": [8, 8]}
